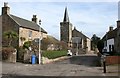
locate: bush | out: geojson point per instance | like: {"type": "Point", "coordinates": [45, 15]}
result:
{"type": "Point", "coordinates": [6, 52]}
{"type": "Point", "coordinates": [27, 44]}
{"type": "Point", "coordinates": [20, 53]}
{"type": "Point", "coordinates": [54, 54]}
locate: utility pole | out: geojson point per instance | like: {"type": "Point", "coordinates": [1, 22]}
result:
{"type": "Point", "coordinates": [40, 37]}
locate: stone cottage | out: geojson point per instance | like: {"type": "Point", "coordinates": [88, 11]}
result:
{"type": "Point", "coordinates": [24, 28]}
{"type": "Point", "coordinates": [112, 39]}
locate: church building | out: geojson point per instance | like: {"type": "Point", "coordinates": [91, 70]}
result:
{"type": "Point", "coordinates": [75, 39]}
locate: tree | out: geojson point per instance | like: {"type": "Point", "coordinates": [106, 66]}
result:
{"type": "Point", "coordinates": [10, 35]}
{"type": "Point", "coordinates": [94, 40]}
{"type": "Point", "coordinates": [100, 46]}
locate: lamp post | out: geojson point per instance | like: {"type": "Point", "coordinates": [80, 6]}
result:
{"type": "Point", "coordinates": [77, 48]}
{"type": "Point", "coordinates": [40, 37]}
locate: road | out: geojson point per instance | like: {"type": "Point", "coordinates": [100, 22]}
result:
{"type": "Point", "coordinates": [60, 68]}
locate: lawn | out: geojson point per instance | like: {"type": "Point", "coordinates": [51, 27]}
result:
{"type": "Point", "coordinates": [54, 54]}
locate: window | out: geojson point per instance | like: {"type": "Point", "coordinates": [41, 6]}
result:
{"type": "Point", "coordinates": [109, 48]}
{"type": "Point", "coordinates": [30, 34]}
{"type": "Point", "coordinates": [112, 47]}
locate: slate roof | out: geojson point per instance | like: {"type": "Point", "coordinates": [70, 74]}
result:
{"type": "Point", "coordinates": [110, 34]}
{"type": "Point", "coordinates": [26, 23]}
{"type": "Point", "coordinates": [52, 39]}
{"type": "Point", "coordinates": [76, 33]}
{"type": "Point", "coordinates": [48, 40]}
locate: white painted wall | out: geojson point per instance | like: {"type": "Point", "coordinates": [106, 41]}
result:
{"type": "Point", "coordinates": [110, 42]}
{"type": "Point", "coordinates": [89, 44]}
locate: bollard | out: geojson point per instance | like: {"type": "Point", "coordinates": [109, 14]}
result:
{"type": "Point", "coordinates": [104, 66]}
{"type": "Point", "coordinates": [104, 63]}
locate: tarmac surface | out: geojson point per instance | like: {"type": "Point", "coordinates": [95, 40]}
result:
{"type": "Point", "coordinates": [60, 68]}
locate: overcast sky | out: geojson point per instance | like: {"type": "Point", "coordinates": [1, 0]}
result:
{"type": "Point", "coordinates": [89, 17]}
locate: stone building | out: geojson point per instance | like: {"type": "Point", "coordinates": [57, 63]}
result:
{"type": "Point", "coordinates": [66, 29]}
{"type": "Point", "coordinates": [112, 39]}
{"type": "Point", "coordinates": [24, 28]}
{"type": "Point", "coordinates": [82, 40]}
{"type": "Point", "coordinates": [118, 36]}
{"type": "Point", "coordinates": [74, 38]}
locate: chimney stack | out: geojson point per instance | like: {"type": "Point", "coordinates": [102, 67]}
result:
{"type": "Point", "coordinates": [34, 19]}
{"type": "Point", "coordinates": [5, 9]}
{"type": "Point", "coordinates": [110, 28]}
{"type": "Point", "coordinates": [118, 24]}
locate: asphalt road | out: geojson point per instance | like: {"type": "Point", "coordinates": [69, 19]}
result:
{"type": "Point", "coordinates": [60, 68]}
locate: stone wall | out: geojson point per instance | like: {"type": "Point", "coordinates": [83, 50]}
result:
{"type": "Point", "coordinates": [9, 54]}
{"type": "Point", "coordinates": [24, 32]}
{"type": "Point", "coordinates": [9, 24]}
{"type": "Point", "coordinates": [65, 31]}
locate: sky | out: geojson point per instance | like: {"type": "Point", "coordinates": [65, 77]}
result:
{"type": "Point", "coordinates": [90, 18]}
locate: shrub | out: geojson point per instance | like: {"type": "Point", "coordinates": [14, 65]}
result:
{"type": "Point", "coordinates": [21, 52]}
{"type": "Point", "coordinates": [6, 52]}
{"type": "Point", "coordinates": [54, 54]}
{"type": "Point", "coordinates": [27, 44]}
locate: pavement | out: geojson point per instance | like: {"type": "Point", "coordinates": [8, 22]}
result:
{"type": "Point", "coordinates": [60, 68]}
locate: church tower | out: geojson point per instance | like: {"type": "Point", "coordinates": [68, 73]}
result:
{"type": "Point", "coordinates": [66, 29]}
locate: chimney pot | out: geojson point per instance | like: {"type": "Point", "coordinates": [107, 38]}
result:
{"type": "Point", "coordinates": [34, 19]}
{"type": "Point", "coordinates": [118, 24]}
{"type": "Point", "coordinates": [5, 9]}
{"type": "Point", "coordinates": [5, 4]}
{"type": "Point", "coordinates": [110, 28]}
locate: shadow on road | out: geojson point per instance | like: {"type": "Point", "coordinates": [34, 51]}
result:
{"type": "Point", "coordinates": [86, 60]}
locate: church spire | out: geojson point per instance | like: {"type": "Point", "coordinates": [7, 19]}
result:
{"type": "Point", "coordinates": [66, 17]}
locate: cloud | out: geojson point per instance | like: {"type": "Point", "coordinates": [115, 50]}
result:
{"type": "Point", "coordinates": [94, 16]}
{"type": "Point", "coordinates": [90, 17]}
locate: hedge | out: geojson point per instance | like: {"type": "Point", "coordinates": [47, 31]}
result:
{"type": "Point", "coordinates": [54, 54]}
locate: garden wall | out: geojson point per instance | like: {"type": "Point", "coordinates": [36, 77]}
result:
{"type": "Point", "coordinates": [112, 60]}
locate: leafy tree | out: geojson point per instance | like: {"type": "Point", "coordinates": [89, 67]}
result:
{"type": "Point", "coordinates": [94, 40]}
{"type": "Point", "coordinates": [100, 46]}
{"type": "Point", "coordinates": [10, 35]}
